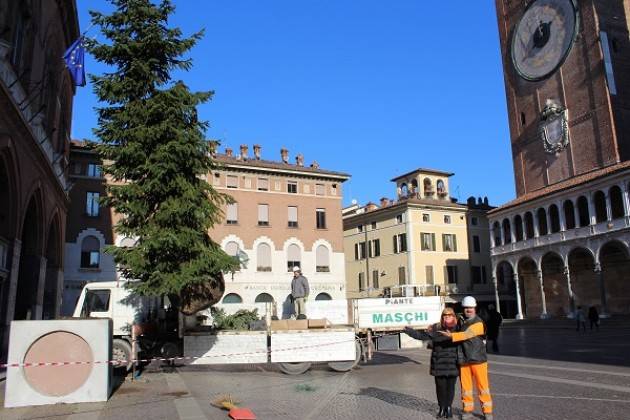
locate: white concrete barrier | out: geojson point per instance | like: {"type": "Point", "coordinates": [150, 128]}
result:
{"type": "Point", "coordinates": [81, 340]}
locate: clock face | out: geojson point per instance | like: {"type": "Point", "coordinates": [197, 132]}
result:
{"type": "Point", "coordinates": [543, 37]}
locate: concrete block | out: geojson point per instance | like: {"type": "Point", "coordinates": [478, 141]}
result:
{"type": "Point", "coordinates": [80, 340]}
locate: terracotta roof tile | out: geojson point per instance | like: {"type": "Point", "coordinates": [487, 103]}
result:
{"type": "Point", "coordinates": [269, 164]}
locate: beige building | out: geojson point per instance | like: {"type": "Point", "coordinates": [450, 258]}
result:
{"type": "Point", "coordinates": [285, 215]}
{"type": "Point", "coordinates": [423, 239]}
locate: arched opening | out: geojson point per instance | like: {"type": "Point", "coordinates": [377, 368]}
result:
{"type": "Point", "coordinates": [555, 285]}
{"type": "Point", "coordinates": [263, 297]}
{"type": "Point", "coordinates": [414, 186]}
{"type": "Point", "coordinates": [30, 261]}
{"type": "Point", "coordinates": [541, 214]}
{"type": "Point", "coordinates": [231, 248]}
{"type": "Point", "coordinates": [529, 225]}
{"type": "Point", "coordinates": [518, 227]}
{"type": "Point", "coordinates": [232, 298]}
{"type": "Point", "coordinates": [428, 188]}
{"type": "Point", "coordinates": [583, 279]}
{"type": "Point", "coordinates": [583, 216]}
{"type": "Point", "coordinates": [322, 259]}
{"type": "Point", "coordinates": [569, 214]}
{"type": "Point", "coordinates": [599, 201]}
{"type": "Point", "coordinates": [323, 296]}
{"type": "Point", "coordinates": [54, 273]}
{"type": "Point", "coordinates": [441, 189]}
{"type": "Point", "coordinates": [263, 257]}
{"type": "Point", "coordinates": [496, 234]}
{"type": "Point", "coordinates": [616, 202]}
{"type": "Point", "coordinates": [294, 257]}
{"type": "Point", "coordinates": [554, 218]}
{"type": "Point", "coordinates": [506, 286]}
{"type": "Point", "coordinates": [615, 265]}
{"type": "Point", "coordinates": [507, 231]}
{"type": "Point", "coordinates": [404, 190]}
{"type": "Point", "coordinates": [531, 299]}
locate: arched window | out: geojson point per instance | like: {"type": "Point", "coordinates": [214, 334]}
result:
{"type": "Point", "coordinates": [599, 200]}
{"type": "Point", "coordinates": [542, 221]}
{"type": "Point", "coordinates": [322, 259]}
{"type": "Point", "coordinates": [507, 231]}
{"type": "Point", "coordinates": [127, 243]}
{"type": "Point", "coordinates": [584, 216]}
{"type": "Point", "coordinates": [323, 296]}
{"type": "Point", "coordinates": [404, 190]}
{"type": "Point", "coordinates": [428, 188]}
{"type": "Point", "coordinates": [232, 298]}
{"type": "Point", "coordinates": [294, 257]}
{"type": "Point", "coordinates": [529, 225]}
{"type": "Point", "coordinates": [496, 234]}
{"type": "Point", "coordinates": [414, 186]}
{"type": "Point", "coordinates": [441, 190]}
{"type": "Point", "coordinates": [263, 257]}
{"type": "Point", "coordinates": [263, 297]}
{"type": "Point", "coordinates": [518, 227]}
{"type": "Point", "coordinates": [616, 202]}
{"type": "Point", "coordinates": [231, 248]}
{"type": "Point", "coordinates": [554, 216]}
{"type": "Point", "coordinates": [569, 214]}
{"type": "Point", "coordinates": [90, 252]}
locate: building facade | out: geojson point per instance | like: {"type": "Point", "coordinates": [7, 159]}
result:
{"type": "Point", "coordinates": [36, 94]}
{"type": "Point", "coordinates": [89, 228]}
{"type": "Point", "coordinates": [423, 239]}
{"type": "Point", "coordinates": [563, 242]}
{"type": "Point", "coordinates": [284, 215]}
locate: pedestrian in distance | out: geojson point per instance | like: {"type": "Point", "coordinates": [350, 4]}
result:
{"type": "Point", "coordinates": [493, 323]}
{"type": "Point", "coordinates": [473, 360]}
{"type": "Point", "coordinates": [580, 319]}
{"type": "Point", "coordinates": [443, 360]}
{"type": "Point", "coordinates": [593, 317]}
{"type": "Point", "coordinates": [299, 292]}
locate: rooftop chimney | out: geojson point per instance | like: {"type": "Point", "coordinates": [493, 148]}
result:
{"type": "Point", "coordinates": [244, 151]}
{"type": "Point", "coordinates": [257, 151]}
{"type": "Point", "coordinates": [370, 206]}
{"type": "Point", "coordinates": [284, 154]}
{"type": "Point", "coordinates": [299, 159]}
{"type": "Point", "coordinates": [384, 202]}
{"type": "Point", "coordinates": [315, 165]}
{"type": "Point", "coordinates": [228, 152]}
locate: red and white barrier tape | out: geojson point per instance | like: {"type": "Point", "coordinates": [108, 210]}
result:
{"type": "Point", "coordinates": [163, 359]}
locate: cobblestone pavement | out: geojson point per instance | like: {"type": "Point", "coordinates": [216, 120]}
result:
{"type": "Point", "coordinates": [538, 375]}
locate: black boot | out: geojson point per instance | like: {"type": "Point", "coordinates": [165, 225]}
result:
{"type": "Point", "coordinates": [440, 413]}
{"type": "Point", "coordinates": [448, 412]}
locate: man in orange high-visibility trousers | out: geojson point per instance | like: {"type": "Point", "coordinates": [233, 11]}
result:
{"type": "Point", "coordinates": [473, 360]}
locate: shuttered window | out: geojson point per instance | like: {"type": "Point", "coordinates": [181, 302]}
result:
{"type": "Point", "coordinates": [293, 216]}
{"type": "Point", "coordinates": [263, 215]}
{"type": "Point", "coordinates": [263, 256]}
{"type": "Point", "coordinates": [232, 214]}
{"type": "Point", "coordinates": [322, 259]}
{"type": "Point", "coordinates": [293, 257]}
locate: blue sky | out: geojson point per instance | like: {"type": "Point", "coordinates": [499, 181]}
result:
{"type": "Point", "coordinates": [371, 88]}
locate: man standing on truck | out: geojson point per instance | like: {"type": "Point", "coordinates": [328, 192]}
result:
{"type": "Point", "coordinates": [299, 292]}
{"type": "Point", "coordinates": [473, 360]}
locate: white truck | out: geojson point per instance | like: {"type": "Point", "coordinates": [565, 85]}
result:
{"type": "Point", "coordinates": [339, 332]}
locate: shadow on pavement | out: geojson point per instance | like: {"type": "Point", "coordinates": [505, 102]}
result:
{"type": "Point", "coordinates": [380, 358]}
{"type": "Point", "coordinates": [398, 399]}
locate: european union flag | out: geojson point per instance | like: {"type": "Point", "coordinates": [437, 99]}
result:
{"type": "Point", "coordinates": [75, 58]}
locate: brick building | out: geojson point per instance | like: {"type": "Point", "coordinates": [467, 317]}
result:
{"type": "Point", "coordinates": [564, 241]}
{"type": "Point", "coordinates": [36, 94]}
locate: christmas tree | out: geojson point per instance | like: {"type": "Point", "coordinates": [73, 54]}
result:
{"type": "Point", "coordinates": [156, 157]}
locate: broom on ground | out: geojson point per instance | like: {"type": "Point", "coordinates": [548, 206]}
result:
{"type": "Point", "coordinates": [227, 402]}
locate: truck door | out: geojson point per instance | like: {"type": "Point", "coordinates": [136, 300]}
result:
{"type": "Point", "coordinates": [96, 304]}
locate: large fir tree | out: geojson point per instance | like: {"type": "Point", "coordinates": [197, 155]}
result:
{"type": "Point", "coordinates": [156, 156]}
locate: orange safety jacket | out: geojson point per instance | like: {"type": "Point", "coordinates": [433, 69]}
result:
{"type": "Point", "coordinates": [473, 347]}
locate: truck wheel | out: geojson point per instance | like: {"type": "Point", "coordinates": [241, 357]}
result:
{"type": "Point", "coordinates": [348, 365]}
{"type": "Point", "coordinates": [121, 350]}
{"type": "Point", "coordinates": [294, 368]}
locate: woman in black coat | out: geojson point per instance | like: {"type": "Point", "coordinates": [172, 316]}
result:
{"type": "Point", "coordinates": [443, 360]}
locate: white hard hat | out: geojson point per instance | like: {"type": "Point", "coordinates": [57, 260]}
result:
{"type": "Point", "coordinates": [296, 268]}
{"type": "Point", "coordinates": [469, 302]}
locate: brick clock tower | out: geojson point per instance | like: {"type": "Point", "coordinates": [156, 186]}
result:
{"type": "Point", "coordinates": [566, 66]}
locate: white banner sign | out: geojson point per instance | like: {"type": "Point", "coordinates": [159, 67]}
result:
{"type": "Point", "coordinates": [399, 312]}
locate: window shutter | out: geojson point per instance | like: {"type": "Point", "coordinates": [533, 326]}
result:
{"type": "Point", "coordinates": [264, 255]}
{"type": "Point", "coordinates": [263, 213]}
{"type": "Point", "coordinates": [293, 253]}
{"type": "Point", "coordinates": [356, 251]}
{"type": "Point", "coordinates": [395, 244]}
{"type": "Point", "coordinates": [321, 256]}
{"type": "Point", "coordinates": [232, 212]}
{"type": "Point", "coordinates": [231, 248]}
{"type": "Point", "coordinates": [293, 214]}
